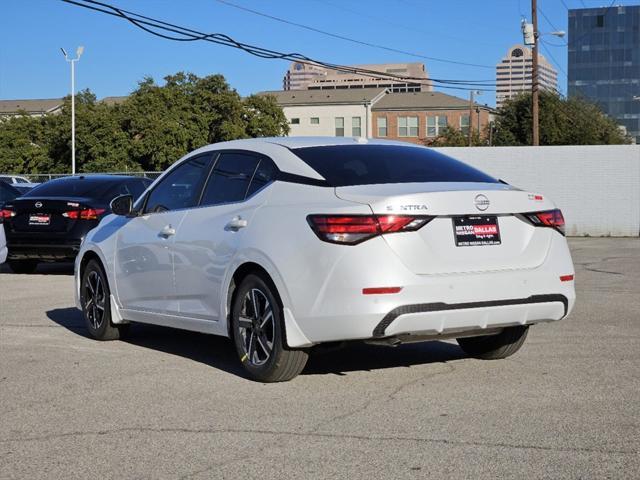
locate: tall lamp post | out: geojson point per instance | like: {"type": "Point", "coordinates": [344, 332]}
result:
{"type": "Point", "coordinates": [73, 61]}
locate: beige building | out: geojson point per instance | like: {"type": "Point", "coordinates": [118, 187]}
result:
{"type": "Point", "coordinates": [513, 74]}
{"type": "Point", "coordinates": [416, 117]}
{"type": "Point", "coordinates": [342, 113]}
{"type": "Point", "coordinates": [302, 76]}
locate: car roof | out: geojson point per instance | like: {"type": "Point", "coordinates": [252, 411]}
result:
{"type": "Point", "coordinates": [281, 149]}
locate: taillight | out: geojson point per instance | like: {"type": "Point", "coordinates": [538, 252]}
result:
{"type": "Point", "coordinates": [548, 218]}
{"type": "Point", "coordinates": [86, 214]}
{"type": "Point", "coordinates": [6, 213]}
{"type": "Point", "coordinates": [353, 229]}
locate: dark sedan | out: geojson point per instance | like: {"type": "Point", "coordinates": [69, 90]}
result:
{"type": "Point", "coordinates": [48, 223]}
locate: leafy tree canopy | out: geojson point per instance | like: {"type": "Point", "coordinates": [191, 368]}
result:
{"type": "Point", "coordinates": [563, 121]}
{"type": "Point", "coordinates": [151, 129]}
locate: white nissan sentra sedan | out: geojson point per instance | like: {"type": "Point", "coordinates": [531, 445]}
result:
{"type": "Point", "coordinates": [285, 243]}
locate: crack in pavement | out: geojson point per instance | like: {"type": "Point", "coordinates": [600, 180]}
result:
{"type": "Point", "coordinates": [337, 436]}
{"type": "Point", "coordinates": [384, 398]}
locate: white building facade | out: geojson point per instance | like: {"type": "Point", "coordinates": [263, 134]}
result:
{"type": "Point", "coordinates": [341, 113]}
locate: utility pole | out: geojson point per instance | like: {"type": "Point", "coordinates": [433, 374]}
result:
{"type": "Point", "coordinates": [471, 94]}
{"type": "Point", "coordinates": [73, 61]}
{"type": "Point", "coordinates": [534, 75]}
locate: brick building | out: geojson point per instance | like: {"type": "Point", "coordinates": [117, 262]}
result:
{"type": "Point", "coordinates": [422, 116]}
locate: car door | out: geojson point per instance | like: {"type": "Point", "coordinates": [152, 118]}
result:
{"type": "Point", "coordinates": [145, 257]}
{"type": "Point", "coordinates": [210, 234]}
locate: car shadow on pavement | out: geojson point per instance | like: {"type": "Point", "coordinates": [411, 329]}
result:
{"type": "Point", "coordinates": [219, 352]}
{"type": "Point", "coordinates": [44, 269]}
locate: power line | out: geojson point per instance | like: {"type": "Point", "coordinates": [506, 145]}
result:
{"type": "Point", "coordinates": [399, 26]}
{"type": "Point", "coordinates": [348, 39]}
{"type": "Point", "coordinates": [149, 25]}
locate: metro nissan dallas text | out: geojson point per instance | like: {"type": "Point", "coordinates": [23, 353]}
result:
{"type": "Point", "coordinates": [282, 244]}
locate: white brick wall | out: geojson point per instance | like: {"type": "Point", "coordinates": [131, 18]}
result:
{"type": "Point", "coordinates": [597, 187]}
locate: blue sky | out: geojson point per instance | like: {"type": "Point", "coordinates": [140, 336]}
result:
{"type": "Point", "coordinates": [117, 55]}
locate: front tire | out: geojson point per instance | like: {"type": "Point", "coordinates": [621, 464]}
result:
{"type": "Point", "coordinates": [257, 324]}
{"type": "Point", "coordinates": [494, 347]}
{"type": "Point", "coordinates": [96, 305]}
{"type": "Point", "coordinates": [23, 266]}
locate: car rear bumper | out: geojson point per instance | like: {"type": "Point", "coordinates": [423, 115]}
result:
{"type": "Point", "coordinates": [442, 318]}
{"type": "Point", "coordinates": [436, 305]}
{"type": "Point", "coordinates": [50, 251]}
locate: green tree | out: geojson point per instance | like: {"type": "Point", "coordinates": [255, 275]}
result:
{"type": "Point", "coordinates": [23, 146]}
{"type": "Point", "coordinates": [453, 137]}
{"type": "Point", "coordinates": [563, 121]}
{"type": "Point", "coordinates": [151, 129]}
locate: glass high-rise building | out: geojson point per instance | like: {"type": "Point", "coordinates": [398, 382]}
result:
{"type": "Point", "coordinates": [604, 61]}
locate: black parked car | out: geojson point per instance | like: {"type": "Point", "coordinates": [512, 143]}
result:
{"type": "Point", "coordinates": [48, 223]}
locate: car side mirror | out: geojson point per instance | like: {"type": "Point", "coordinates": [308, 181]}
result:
{"type": "Point", "coordinates": [122, 205]}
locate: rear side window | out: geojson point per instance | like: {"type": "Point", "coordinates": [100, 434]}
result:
{"type": "Point", "coordinates": [180, 188]}
{"type": "Point", "coordinates": [345, 165]}
{"type": "Point", "coordinates": [229, 181]}
{"type": "Point", "coordinates": [265, 173]}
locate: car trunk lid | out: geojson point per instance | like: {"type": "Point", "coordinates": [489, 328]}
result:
{"type": "Point", "coordinates": [498, 238]}
{"type": "Point", "coordinates": [45, 214]}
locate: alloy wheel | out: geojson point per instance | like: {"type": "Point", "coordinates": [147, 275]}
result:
{"type": "Point", "coordinates": [94, 304]}
{"type": "Point", "coordinates": [256, 326]}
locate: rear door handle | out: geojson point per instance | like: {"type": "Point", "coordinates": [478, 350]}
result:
{"type": "Point", "coordinates": [167, 231]}
{"type": "Point", "coordinates": [236, 224]}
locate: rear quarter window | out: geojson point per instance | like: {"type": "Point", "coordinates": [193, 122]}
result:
{"type": "Point", "coordinates": [347, 165]}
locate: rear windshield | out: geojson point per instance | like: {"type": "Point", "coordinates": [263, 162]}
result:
{"type": "Point", "coordinates": [345, 165]}
{"type": "Point", "coordinates": [97, 188]}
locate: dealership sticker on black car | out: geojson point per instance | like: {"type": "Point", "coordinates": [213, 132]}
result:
{"type": "Point", "coordinates": [475, 231]}
{"type": "Point", "coordinates": [39, 219]}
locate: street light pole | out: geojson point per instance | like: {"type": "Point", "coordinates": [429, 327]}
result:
{"type": "Point", "coordinates": [73, 61]}
{"type": "Point", "coordinates": [534, 76]}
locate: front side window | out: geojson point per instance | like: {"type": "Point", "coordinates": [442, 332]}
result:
{"type": "Point", "coordinates": [407, 126]}
{"type": "Point", "coordinates": [180, 188]}
{"type": "Point", "coordinates": [315, 120]}
{"type": "Point", "coordinates": [295, 121]}
{"type": "Point", "coordinates": [356, 126]}
{"type": "Point", "coordinates": [229, 181]}
{"type": "Point", "coordinates": [339, 126]}
{"type": "Point", "coordinates": [382, 126]}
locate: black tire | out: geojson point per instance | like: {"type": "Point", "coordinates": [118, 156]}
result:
{"type": "Point", "coordinates": [23, 266]}
{"type": "Point", "coordinates": [259, 334]}
{"type": "Point", "coordinates": [494, 347]}
{"type": "Point", "coordinates": [96, 305]}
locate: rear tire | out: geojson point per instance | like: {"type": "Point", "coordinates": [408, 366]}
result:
{"type": "Point", "coordinates": [494, 347]}
{"type": "Point", "coordinates": [257, 324]}
{"type": "Point", "coordinates": [23, 266]}
{"type": "Point", "coordinates": [95, 298]}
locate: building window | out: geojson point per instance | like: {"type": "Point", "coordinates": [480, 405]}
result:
{"type": "Point", "coordinates": [407, 126]}
{"type": "Point", "coordinates": [315, 121]}
{"type": "Point", "coordinates": [464, 124]}
{"type": "Point", "coordinates": [295, 121]}
{"type": "Point", "coordinates": [339, 126]}
{"type": "Point", "coordinates": [382, 126]}
{"type": "Point", "coordinates": [356, 126]}
{"type": "Point", "coordinates": [436, 125]}
{"type": "Point", "coordinates": [600, 21]}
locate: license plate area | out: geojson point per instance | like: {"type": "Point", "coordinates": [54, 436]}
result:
{"type": "Point", "coordinates": [40, 219]}
{"type": "Point", "coordinates": [474, 231]}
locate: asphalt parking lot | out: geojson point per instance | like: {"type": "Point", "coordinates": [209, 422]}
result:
{"type": "Point", "coordinates": [172, 404]}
